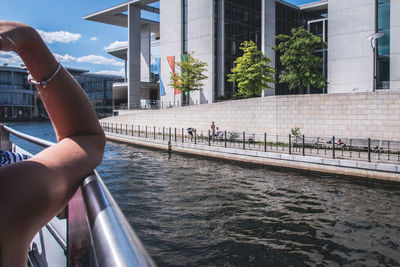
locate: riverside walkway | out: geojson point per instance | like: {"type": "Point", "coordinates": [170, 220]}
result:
{"type": "Point", "coordinates": [364, 158]}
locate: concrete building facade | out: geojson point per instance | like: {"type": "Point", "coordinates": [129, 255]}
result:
{"type": "Point", "coordinates": [362, 55]}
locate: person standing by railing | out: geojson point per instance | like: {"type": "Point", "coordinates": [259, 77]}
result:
{"type": "Point", "coordinates": [33, 191]}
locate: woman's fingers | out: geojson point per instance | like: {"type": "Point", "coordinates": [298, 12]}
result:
{"type": "Point", "coordinates": [6, 43]}
{"type": "Point", "coordinates": [14, 35]}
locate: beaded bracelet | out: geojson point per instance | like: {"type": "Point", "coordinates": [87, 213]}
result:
{"type": "Point", "coordinates": [44, 83]}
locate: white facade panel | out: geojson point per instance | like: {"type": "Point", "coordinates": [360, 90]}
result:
{"type": "Point", "coordinates": [200, 41]}
{"type": "Point", "coordinates": [350, 56]}
{"type": "Point", "coordinates": [395, 45]}
{"type": "Point", "coordinates": [170, 44]}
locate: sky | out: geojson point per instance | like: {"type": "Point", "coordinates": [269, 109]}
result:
{"type": "Point", "coordinates": [76, 42]}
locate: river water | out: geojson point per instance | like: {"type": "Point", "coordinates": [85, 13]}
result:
{"type": "Point", "coordinates": [192, 211]}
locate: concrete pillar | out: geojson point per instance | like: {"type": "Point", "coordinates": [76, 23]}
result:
{"type": "Point", "coordinates": [134, 47]}
{"type": "Point", "coordinates": [145, 60]}
{"type": "Point", "coordinates": [268, 36]}
{"type": "Point", "coordinates": [394, 46]}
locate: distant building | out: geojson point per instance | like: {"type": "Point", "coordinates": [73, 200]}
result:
{"type": "Point", "coordinates": [214, 29]}
{"type": "Point", "coordinates": [16, 94]}
{"type": "Point", "coordinates": [20, 100]}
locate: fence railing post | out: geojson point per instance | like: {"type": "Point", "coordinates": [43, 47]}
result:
{"type": "Point", "coordinates": [304, 153]}
{"type": "Point", "coordinates": [132, 130]}
{"type": "Point", "coordinates": [183, 136]}
{"type": "Point", "coordinates": [121, 128]}
{"type": "Point", "coordinates": [290, 144]}
{"type": "Point", "coordinates": [169, 133]}
{"type": "Point", "coordinates": [333, 147]}
{"type": "Point", "coordinates": [126, 129]}
{"type": "Point", "coordinates": [195, 137]}
{"type": "Point", "coordinates": [265, 142]}
{"type": "Point", "coordinates": [369, 149]}
{"type": "Point", "coordinates": [209, 138]}
{"type": "Point", "coordinates": [225, 139]}
{"type": "Point", "coordinates": [244, 140]}
{"type": "Point", "coordinates": [154, 132]}
{"type": "Point", "coordinates": [175, 134]}
{"type": "Point", "coordinates": [138, 130]}
{"type": "Point", "coordinates": [112, 128]}
{"type": "Point", "coordinates": [146, 131]}
{"type": "Point", "coordinates": [163, 133]}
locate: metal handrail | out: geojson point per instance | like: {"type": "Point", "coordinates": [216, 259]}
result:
{"type": "Point", "coordinates": [114, 242]}
{"type": "Point", "coordinates": [32, 139]}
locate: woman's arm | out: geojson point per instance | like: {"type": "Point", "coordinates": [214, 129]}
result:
{"type": "Point", "coordinates": [34, 191]}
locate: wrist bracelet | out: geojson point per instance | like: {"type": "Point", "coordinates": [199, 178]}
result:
{"type": "Point", "coordinates": [44, 83]}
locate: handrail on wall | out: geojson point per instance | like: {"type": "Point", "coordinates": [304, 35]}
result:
{"type": "Point", "coordinates": [98, 233]}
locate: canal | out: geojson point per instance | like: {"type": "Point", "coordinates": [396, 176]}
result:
{"type": "Point", "coordinates": [192, 211]}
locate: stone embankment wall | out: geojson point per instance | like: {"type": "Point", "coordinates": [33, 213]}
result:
{"type": "Point", "coordinates": [359, 115]}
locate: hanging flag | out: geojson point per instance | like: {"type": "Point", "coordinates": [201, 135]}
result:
{"type": "Point", "coordinates": [171, 61]}
{"type": "Point", "coordinates": [158, 64]}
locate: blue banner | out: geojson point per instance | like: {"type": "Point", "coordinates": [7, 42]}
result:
{"type": "Point", "coordinates": [158, 63]}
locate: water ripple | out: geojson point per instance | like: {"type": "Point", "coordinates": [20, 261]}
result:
{"type": "Point", "coordinates": [190, 211]}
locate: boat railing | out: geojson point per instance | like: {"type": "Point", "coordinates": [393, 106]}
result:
{"type": "Point", "coordinates": [98, 234]}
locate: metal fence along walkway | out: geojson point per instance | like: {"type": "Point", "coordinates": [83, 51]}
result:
{"type": "Point", "coordinates": [369, 150]}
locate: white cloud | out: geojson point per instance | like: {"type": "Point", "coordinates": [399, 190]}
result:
{"type": "Point", "coordinates": [116, 44]}
{"type": "Point", "coordinates": [96, 59]}
{"type": "Point", "coordinates": [59, 36]}
{"type": "Point", "coordinates": [10, 58]}
{"type": "Point", "coordinates": [120, 72]}
{"type": "Point", "coordinates": [93, 39]}
{"type": "Point", "coordinates": [64, 58]}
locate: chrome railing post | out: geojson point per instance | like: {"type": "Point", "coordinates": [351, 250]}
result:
{"type": "Point", "coordinates": [4, 139]}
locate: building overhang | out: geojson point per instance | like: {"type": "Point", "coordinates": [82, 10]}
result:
{"type": "Point", "coordinates": [119, 52]}
{"type": "Point", "coordinates": [117, 16]}
{"type": "Point", "coordinates": [314, 6]}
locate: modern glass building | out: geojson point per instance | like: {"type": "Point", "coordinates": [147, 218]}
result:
{"type": "Point", "coordinates": [19, 100]}
{"type": "Point", "coordinates": [214, 29]}
{"type": "Point", "coordinates": [16, 95]}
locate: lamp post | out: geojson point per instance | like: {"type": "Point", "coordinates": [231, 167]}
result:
{"type": "Point", "coordinates": [373, 37]}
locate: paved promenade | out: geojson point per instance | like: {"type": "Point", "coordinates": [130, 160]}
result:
{"type": "Point", "coordinates": [321, 162]}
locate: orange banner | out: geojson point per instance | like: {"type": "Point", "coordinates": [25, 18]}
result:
{"type": "Point", "coordinates": [171, 61]}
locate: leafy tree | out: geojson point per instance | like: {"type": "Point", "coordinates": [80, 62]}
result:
{"type": "Point", "coordinates": [302, 67]}
{"type": "Point", "coordinates": [191, 76]}
{"type": "Point", "coordinates": [251, 71]}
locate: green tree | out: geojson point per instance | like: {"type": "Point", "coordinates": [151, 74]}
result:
{"type": "Point", "coordinates": [191, 76]}
{"type": "Point", "coordinates": [301, 65]}
{"type": "Point", "coordinates": [251, 71]}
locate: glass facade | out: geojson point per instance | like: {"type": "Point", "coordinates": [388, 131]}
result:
{"type": "Point", "coordinates": [99, 90]}
{"type": "Point", "coordinates": [383, 45]}
{"type": "Point", "coordinates": [319, 27]}
{"type": "Point", "coordinates": [242, 22]}
{"type": "Point", "coordinates": [286, 18]}
{"type": "Point", "coordinates": [19, 99]}
{"type": "Point", "coordinates": [16, 96]}
{"type": "Point", "coordinates": [154, 53]}
{"type": "Point", "coordinates": [184, 26]}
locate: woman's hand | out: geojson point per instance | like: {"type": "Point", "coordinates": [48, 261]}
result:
{"type": "Point", "coordinates": [15, 36]}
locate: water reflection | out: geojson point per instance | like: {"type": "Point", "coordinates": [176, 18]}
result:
{"type": "Point", "coordinates": [194, 211]}
{"type": "Point", "coordinates": [197, 212]}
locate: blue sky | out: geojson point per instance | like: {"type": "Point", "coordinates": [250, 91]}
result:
{"type": "Point", "coordinates": [77, 42]}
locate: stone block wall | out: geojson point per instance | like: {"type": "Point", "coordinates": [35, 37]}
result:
{"type": "Point", "coordinates": [361, 115]}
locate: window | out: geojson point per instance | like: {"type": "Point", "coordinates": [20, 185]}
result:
{"type": "Point", "coordinates": [383, 45]}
